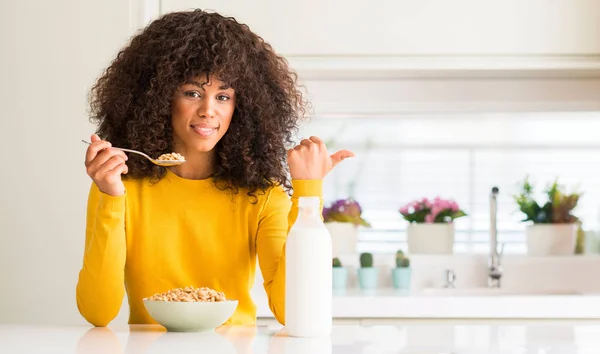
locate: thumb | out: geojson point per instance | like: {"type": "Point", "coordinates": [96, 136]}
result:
{"type": "Point", "coordinates": [340, 156]}
{"type": "Point", "coordinates": [95, 138]}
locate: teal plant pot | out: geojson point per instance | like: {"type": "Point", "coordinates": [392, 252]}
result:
{"type": "Point", "coordinates": [340, 278]}
{"type": "Point", "coordinates": [367, 278]}
{"type": "Point", "coordinates": [401, 278]}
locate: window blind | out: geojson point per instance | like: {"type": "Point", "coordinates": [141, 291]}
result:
{"type": "Point", "coordinates": [461, 157]}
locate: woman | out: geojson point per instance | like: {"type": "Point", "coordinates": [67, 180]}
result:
{"type": "Point", "coordinates": [206, 87]}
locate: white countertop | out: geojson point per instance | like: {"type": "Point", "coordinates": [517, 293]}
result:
{"type": "Point", "coordinates": [394, 304]}
{"type": "Point", "coordinates": [419, 337]}
{"type": "Point", "coordinates": [389, 303]}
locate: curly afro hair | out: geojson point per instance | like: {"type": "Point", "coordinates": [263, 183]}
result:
{"type": "Point", "coordinates": [131, 101]}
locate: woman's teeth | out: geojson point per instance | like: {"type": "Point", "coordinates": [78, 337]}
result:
{"type": "Point", "coordinates": [204, 131]}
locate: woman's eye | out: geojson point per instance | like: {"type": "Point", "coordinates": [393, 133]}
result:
{"type": "Point", "coordinates": [223, 98]}
{"type": "Point", "coordinates": [194, 94]}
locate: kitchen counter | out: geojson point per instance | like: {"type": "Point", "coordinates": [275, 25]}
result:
{"type": "Point", "coordinates": [421, 337]}
{"type": "Point", "coordinates": [394, 304]}
{"type": "Point", "coordinates": [389, 303]}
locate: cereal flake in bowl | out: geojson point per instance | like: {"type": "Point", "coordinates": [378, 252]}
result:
{"type": "Point", "coordinates": [190, 309]}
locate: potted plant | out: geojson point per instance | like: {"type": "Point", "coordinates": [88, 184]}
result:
{"type": "Point", "coordinates": [431, 225]}
{"type": "Point", "coordinates": [401, 274]}
{"type": "Point", "coordinates": [342, 219]}
{"type": "Point", "coordinates": [340, 275]}
{"type": "Point", "coordinates": [367, 274]}
{"type": "Point", "coordinates": [553, 227]}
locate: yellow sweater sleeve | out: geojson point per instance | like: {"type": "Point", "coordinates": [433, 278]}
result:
{"type": "Point", "coordinates": [277, 218]}
{"type": "Point", "coordinates": [100, 287]}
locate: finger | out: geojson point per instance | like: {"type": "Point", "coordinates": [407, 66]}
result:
{"type": "Point", "coordinates": [94, 149]}
{"type": "Point", "coordinates": [104, 156]}
{"type": "Point", "coordinates": [120, 169]}
{"type": "Point", "coordinates": [94, 138]}
{"type": "Point", "coordinates": [306, 142]}
{"type": "Point", "coordinates": [114, 175]}
{"type": "Point", "coordinates": [112, 163]}
{"type": "Point", "coordinates": [316, 140]}
{"type": "Point", "coordinates": [341, 156]}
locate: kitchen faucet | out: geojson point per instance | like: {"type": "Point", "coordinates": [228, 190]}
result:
{"type": "Point", "coordinates": [495, 270]}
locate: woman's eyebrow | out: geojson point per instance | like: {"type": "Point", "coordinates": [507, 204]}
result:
{"type": "Point", "coordinates": [195, 83]}
{"type": "Point", "coordinates": [224, 86]}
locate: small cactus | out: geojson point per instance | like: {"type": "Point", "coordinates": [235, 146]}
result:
{"type": "Point", "coordinates": [401, 260]}
{"type": "Point", "coordinates": [337, 263]}
{"type": "Point", "coordinates": [366, 260]}
{"type": "Point", "coordinates": [403, 263]}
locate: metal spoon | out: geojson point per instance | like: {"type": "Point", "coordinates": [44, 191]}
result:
{"type": "Point", "coordinates": [164, 163]}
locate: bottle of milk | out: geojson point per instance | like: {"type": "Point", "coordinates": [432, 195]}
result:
{"type": "Point", "coordinates": [308, 288]}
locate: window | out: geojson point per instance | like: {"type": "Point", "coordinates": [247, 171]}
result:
{"type": "Point", "coordinates": [460, 156]}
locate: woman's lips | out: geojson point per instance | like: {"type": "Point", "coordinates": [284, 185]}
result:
{"type": "Point", "coordinates": [204, 130]}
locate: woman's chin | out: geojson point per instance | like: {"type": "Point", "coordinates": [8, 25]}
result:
{"type": "Point", "coordinates": [204, 148]}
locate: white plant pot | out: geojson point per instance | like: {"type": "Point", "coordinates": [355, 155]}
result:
{"type": "Point", "coordinates": [436, 238]}
{"type": "Point", "coordinates": [343, 237]}
{"type": "Point", "coordinates": [551, 239]}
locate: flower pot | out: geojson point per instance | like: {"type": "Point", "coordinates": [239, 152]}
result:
{"type": "Point", "coordinates": [367, 277]}
{"type": "Point", "coordinates": [401, 278]}
{"type": "Point", "coordinates": [343, 237]}
{"type": "Point", "coordinates": [437, 238]}
{"type": "Point", "coordinates": [340, 278]}
{"type": "Point", "coordinates": [551, 239]}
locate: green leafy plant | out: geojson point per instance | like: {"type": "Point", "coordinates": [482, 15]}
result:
{"type": "Point", "coordinates": [556, 209]}
{"type": "Point", "coordinates": [366, 260]}
{"type": "Point", "coordinates": [402, 261]}
{"type": "Point", "coordinates": [337, 263]}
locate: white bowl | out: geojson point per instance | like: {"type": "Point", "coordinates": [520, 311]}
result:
{"type": "Point", "coordinates": [190, 316]}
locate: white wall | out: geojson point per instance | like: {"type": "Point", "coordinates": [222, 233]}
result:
{"type": "Point", "coordinates": [52, 51]}
{"type": "Point", "coordinates": [432, 27]}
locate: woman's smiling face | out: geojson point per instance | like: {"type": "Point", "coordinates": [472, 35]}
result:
{"type": "Point", "coordinates": [201, 112]}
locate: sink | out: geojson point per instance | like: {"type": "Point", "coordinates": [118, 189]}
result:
{"type": "Point", "coordinates": [495, 292]}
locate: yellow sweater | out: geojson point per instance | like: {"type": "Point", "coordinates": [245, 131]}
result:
{"type": "Point", "coordinates": [180, 232]}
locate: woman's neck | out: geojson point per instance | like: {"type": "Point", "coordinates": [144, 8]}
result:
{"type": "Point", "coordinates": [198, 165]}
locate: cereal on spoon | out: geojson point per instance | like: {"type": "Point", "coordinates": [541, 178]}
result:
{"type": "Point", "coordinates": [173, 156]}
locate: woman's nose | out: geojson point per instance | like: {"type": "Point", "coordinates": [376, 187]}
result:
{"type": "Point", "coordinates": [207, 109]}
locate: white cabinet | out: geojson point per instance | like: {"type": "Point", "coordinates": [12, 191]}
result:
{"type": "Point", "coordinates": [422, 28]}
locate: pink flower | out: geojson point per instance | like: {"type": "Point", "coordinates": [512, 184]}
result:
{"type": "Point", "coordinates": [454, 206]}
{"type": "Point", "coordinates": [432, 208]}
{"type": "Point", "coordinates": [417, 205]}
{"type": "Point", "coordinates": [426, 203]}
{"type": "Point", "coordinates": [435, 211]}
{"type": "Point", "coordinates": [440, 203]}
